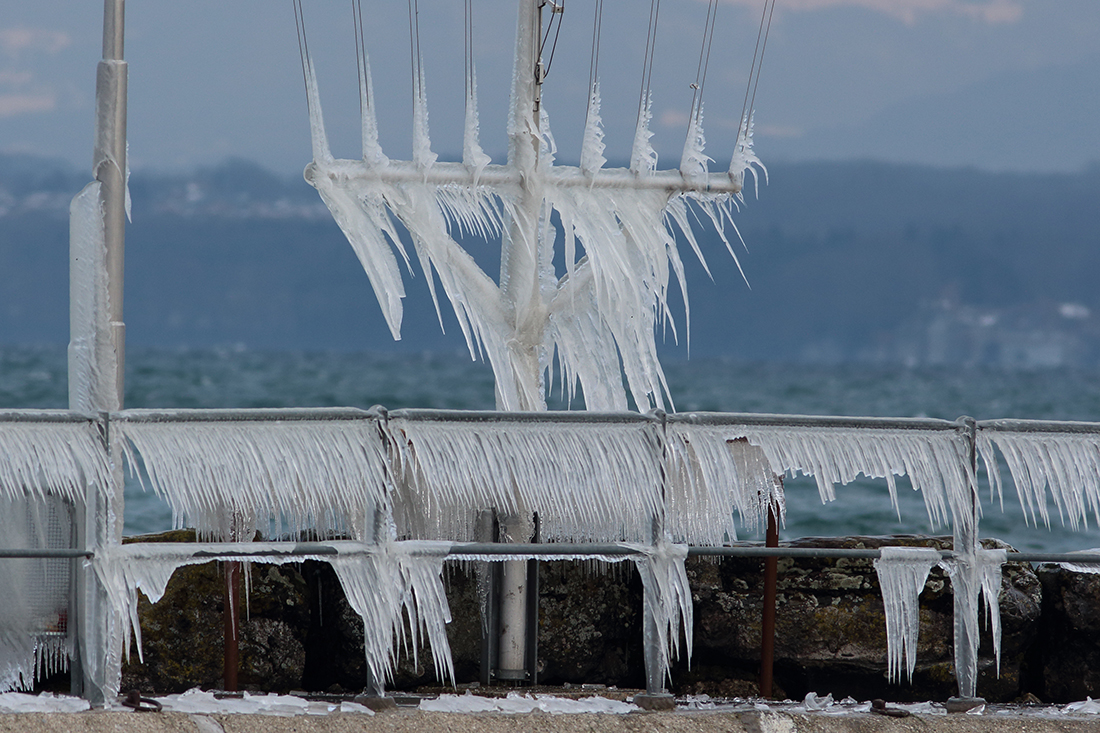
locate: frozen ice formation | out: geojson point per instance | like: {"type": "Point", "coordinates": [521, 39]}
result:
{"type": "Point", "coordinates": [902, 573]}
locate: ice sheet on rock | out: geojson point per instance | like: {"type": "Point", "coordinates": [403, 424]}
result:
{"type": "Point", "coordinates": [902, 573]}
{"type": "Point", "coordinates": [382, 588]}
{"type": "Point", "coordinates": [517, 703]}
{"type": "Point", "coordinates": [586, 481]}
{"type": "Point", "coordinates": [714, 477]}
{"type": "Point", "coordinates": [1083, 567]}
{"type": "Point", "coordinates": [320, 474]}
{"type": "Point", "coordinates": [668, 602]}
{"type": "Point", "coordinates": [1065, 464]}
{"type": "Point", "coordinates": [970, 575]}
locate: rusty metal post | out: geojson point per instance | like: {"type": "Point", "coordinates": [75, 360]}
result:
{"type": "Point", "coordinates": [767, 621]}
{"type": "Point", "coordinates": [231, 615]}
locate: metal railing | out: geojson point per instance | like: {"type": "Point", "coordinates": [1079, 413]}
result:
{"type": "Point", "coordinates": [965, 435]}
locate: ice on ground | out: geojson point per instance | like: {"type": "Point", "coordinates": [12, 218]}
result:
{"type": "Point", "coordinates": [516, 703]}
{"type": "Point", "coordinates": [200, 702]}
{"type": "Point", "coordinates": [47, 702]}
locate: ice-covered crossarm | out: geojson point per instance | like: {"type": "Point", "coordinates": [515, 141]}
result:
{"type": "Point", "coordinates": [617, 230]}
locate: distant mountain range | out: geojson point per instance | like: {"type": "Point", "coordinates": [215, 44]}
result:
{"type": "Point", "coordinates": [847, 261]}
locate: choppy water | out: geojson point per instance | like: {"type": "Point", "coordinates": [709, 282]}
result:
{"type": "Point", "coordinates": [35, 377]}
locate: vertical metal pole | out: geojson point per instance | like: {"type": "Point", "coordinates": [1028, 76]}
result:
{"type": "Point", "coordinates": [110, 170]}
{"type": "Point", "coordinates": [767, 620]}
{"type": "Point", "coordinates": [520, 256]}
{"type": "Point", "coordinates": [97, 359]}
{"type": "Point", "coordinates": [966, 584]}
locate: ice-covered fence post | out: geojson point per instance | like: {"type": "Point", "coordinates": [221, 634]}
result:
{"type": "Point", "coordinates": [654, 642]}
{"type": "Point", "coordinates": [97, 352]}
{"type": "Point", "coordinates": [964, 572]}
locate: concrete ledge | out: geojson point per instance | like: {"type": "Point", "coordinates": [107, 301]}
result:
{"type": "Point", "coordinates": [416, 721]}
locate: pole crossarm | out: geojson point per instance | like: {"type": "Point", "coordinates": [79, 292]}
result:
{"type": "Point", "coordinates": [507, 180]}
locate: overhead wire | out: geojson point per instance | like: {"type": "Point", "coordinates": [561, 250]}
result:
{"type": "Point", "coordinates": [650, 52]}
{"type": "Point", "coordinates": [594, 57]}
{"type": "Point", "coordinates": [557, 9]}
{"type": "Point", "coordinates": [754, 72]}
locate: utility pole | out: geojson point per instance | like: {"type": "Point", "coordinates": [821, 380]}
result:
{"type": "Point", "coordinates": [97, 358]}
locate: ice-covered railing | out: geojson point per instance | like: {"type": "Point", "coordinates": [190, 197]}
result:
{"type": "Point", "coordinates": [49, 460]}
{"type": "Point", "coordinates": [407, 485]}
{"type": "Point", "coordinates": [314, 469]}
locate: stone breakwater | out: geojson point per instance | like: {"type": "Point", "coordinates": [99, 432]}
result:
{"type": "Point", "coordinates": [298, 632]}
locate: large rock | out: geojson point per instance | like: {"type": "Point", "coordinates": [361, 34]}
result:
{"type": "Point", "coordinates": [1067, 658]}
{"type": "Point", "coordinates": [183, 633]}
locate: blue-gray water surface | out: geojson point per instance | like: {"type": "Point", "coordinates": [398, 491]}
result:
{"type": "Point", "coordinates": [35, 377]}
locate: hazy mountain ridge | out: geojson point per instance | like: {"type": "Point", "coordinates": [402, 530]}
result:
{"type": "Point", "coordinates": [847, 261]}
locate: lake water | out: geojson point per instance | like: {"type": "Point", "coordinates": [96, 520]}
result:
{"type": "Point", "coordinates": [35, 377]}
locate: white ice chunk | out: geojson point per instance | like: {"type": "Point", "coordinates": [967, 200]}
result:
{"type": "Point", "coordinates": [517, 704]}
{"type": "Point", "coordinates": [902, 573]}
{"type": "Point", "coordinates": [693, 162]}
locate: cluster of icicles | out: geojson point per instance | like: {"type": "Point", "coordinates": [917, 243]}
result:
{"type": "Point", "coordinates": [405, 485]}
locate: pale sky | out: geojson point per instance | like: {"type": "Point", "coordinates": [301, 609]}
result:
{"type": "Point", "coordinates": [998, 84]}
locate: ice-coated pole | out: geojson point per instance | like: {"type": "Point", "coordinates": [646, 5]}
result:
{"type": "Point", "coordinates": [109, 164]}
{"type": "Point", "coordinates": [97, 358]}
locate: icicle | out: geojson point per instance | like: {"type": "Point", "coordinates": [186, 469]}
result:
{"type": "Point", "coordinates": [585, 481]}
{"type": "Point", "coordinates": [307, 473]}
{"type": "Point", "coordinates": [744, 158]}
{"type": "Point", "coordinates": [971, 574]}
{"type": "Point", "coordinates": [593, 146]}
{"type": "Point", "coordinates": [373, 157]}
{"type": "Point", "coordinates": [366, 224]}
{"type": "Point", "coordinates": [380, 587]}
{"type": "Point", "coordinates": [423, 156]}
{"type": "Point", "coordinates": [643, 157]}
{"type": "Point", "coordinates": [693, 163]}
{"type": "Point", "coordinates": [50, 459]}
{"type": "Point", "coordinates": [472, 154]}
{"type": "Point", "coordinates": [1066, 464]}
{"type": "Point", "coordinates": [321, 151]}
{"type": "Point", "coordinates": [902, 573]}
{"type": "Point", "coordinates": [668, 604]}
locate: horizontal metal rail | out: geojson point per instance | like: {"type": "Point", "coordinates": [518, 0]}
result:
{"type": "Point", "coordinates": [278, 414]}
{"type": "Point", "coordinates": [45, 416]}
{"type": "Point", "coordinates": [44, 552]}
{"type": "Point", "coordinates": [1040, 426]}
{"type": "Point", "coordinates": [544, 551]}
